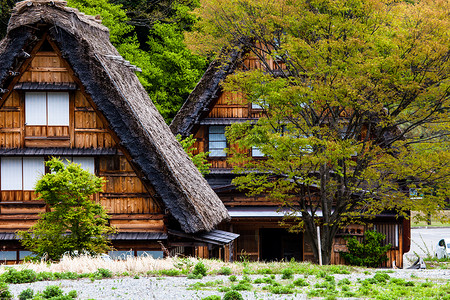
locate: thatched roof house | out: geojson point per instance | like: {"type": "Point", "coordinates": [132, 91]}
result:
{"type": "Point", "coordinates": [115, 90]}
{"type": "Point", "coordinates": [204, 95]}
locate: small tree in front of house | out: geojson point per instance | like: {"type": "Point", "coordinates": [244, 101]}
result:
{"type": "Point", "coordinates": [75, 222]}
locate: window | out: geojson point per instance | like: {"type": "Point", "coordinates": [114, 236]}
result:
{"type": "Point", "coordinates": [217, 141]}
{"type": "Point", "coordinates": [21, 173]}
{"type": "Point", "coordinates": [47, 108]}
{"type": "Point", "coordinates": [256, 152]}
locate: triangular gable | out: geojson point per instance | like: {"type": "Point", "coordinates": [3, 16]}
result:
{"type": "Point", "coordinates": [118, 95]}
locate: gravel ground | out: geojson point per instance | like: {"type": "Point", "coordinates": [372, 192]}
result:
{"type": "Point", "coordinates": [167, 288]}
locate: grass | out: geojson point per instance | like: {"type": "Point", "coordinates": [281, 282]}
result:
{"type": "Point", "coordinates": [290, 278]}
{"type": "Point", "coordinates": [440, 220]}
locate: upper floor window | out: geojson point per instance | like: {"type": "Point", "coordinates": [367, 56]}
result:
{"type": "Point", "coordinates": [21, 173]}
{"type": "Point", "coordinates": [217, 141]}
{"type": "Point", "coordinates": [256, 152]}
{"type": "Point", "coordinates": [86, 163]}
{"type": "Point", "coordinates": [47, 108]}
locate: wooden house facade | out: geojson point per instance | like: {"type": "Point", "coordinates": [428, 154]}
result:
{"type": "Point", "coordinates": [66, 92]}
{"type": "Point", "coordinates": [205, 115]}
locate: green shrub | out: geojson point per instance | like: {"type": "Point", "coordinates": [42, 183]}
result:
{"type": "Point", "coordinates": [265, 271]}
{"type": "Point", "coordinates": [242, 286]}
{"type": "Point", "coordinates": [225, 271]}
{"type": "Point", "coordinates": [72, 294]}
{"type": "Point", "coordinates": [381, 277]}
{"type": "Point", "coordinates": [212, 297]}
{"type": "Point", "coordinates": [283, 289]}
{"type": "Point", "coordinates": [170, 272]}
{"type": "Point", "coordinates": [5, 294]}
{"type": "Point", "coordinates": [23, 276]}
{"type": "Point", "coordinates": [200, 269]}
{"type": "Point", "coordinates": [232, 295]}
{"type": "Point", "coordinates": [287, 273]}
{"type": "Point", "coordinates": [104, 273]}
{"type": "Point", "coordinates": [42, 276]}
{"type": "Point", "coordinates": [344, 281]}
{"type": "Point", "coordinates": [232, 278]}
{"type": "Point", "coordinates": [369, 253]}
{"type": "Point", "coordinates": [300, 282]}
{"type": "Point", "coordinates": [26, 294]}
{"type": "Point", "coordinates": [52, 291]}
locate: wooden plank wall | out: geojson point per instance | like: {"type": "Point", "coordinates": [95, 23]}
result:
{"type": "Point", "coordinates": [132, 207]}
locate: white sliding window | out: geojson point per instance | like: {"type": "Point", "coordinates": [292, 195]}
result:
{"type": "Point", "coordinates": [87, 163]}
{"type": "Point", "coordinates": [33, 169]}
{"type": "Point", "coordinates": [36, 108]}
{"type": "Point", "coordinates": [58, 108]}
{"type": "Point", "coordinates": [21, 173]}
{"type": "Point", "coordinates": [11, 173]}
{"type": "Point", "coordinates": [47, 108]}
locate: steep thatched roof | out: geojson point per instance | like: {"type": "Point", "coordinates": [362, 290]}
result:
{"type": "Point", "coordinates": [118, 94]}
{"type": "Point", "coordinates": [204, 94]}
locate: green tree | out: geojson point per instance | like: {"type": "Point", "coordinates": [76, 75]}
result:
{"type": "Point", "coordinates": [150, 35]}
{"type": "Point", "coordinates": [354, 82]}
{"type": "Point", "coordinates": [75, 222]}
{"type": "Point", "coordinates": [169, 70]}
{"type": "Point", "coordinates": [198, 158]}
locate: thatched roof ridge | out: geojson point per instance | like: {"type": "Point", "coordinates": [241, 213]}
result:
{"type": "Point", "coordinates": [205, 92]}
{"type": "Point", "coordinates": [118, 94]}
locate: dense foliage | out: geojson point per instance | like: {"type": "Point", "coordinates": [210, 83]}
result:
{"type": "Point", "coordinates": [75, 224]}
{"type": "Point", "coordinates": [150, 35]}
{"type": "Point", "coordinates": [369, 253]}
{"type": "Point", "coordinates": [355, 98]}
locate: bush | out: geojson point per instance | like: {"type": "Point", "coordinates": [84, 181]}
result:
{"type": "Point", "coordinates": [212, 297]}
{"type": "Point", "coordinates": [287, 273]}
{"type": "Point", "coordinates": [232, 295]}
{"type": "Point", "coordinates": [23, 276]}
{"type": "Point", "coordinates": [300, 282]}
{"type": "Point", "coordinates": [232, 278]}
{"type": "Point", "coordinates": [26, 294]}
{"type": "Point", "coordinates": [52, 291]}
{"type": "Point", "coordinates": [369, 253]}
{"type": "Point", "coordinates": [200, 269]}
{"type": "Point", "coordinates": [5, 294]}
{"type": "Point", "coordinates": [104, 273]}
{"type": "Point", "coordinates": [225, 271]}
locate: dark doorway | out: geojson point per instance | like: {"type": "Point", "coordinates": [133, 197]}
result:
{"type": "Point", "coordinates": [279, 244]}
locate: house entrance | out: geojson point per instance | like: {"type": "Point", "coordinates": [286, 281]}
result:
{"type": "Point", "coordinates": [279, 244]}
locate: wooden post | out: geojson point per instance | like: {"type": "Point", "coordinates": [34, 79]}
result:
{"type": "Point", "coordinates": [319, 245]}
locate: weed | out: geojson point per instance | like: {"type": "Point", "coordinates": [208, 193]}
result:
{"type": "Point", "coordinates": [232, 295]}
{"type": "Point", "coordinates": [265, 271]}
{"type": "Point", "coordinates": [225, 271]}
{"type": "Point", "coordinates": [283, 289]}
{"type": "Point", "coordinates": [287, 273]}
{"type": "Point", "coordinates": [212, 297]}
{"type": "Point", "coordinates": [136, 277]}
{"type": "Point", "coordinates": [300, 282]}
{"type": "Point", "coordinates": [23, 276]}
{"type": "Point", "coordinates": [344, 281]}
{"type": "Point", "coordinates": [381, 277]}
{"type": "Point", "coordinates": [26, 294]}
{"type": "Point", "coordinates": [242, 286]}
{"type": "Point", "coordinates": [170, 272]}
{"type": "Point", "coordinates": [232, 278]}
{"type": "Point", "coordinates": [103, 273]}
{"type": "Point", "coordinates": [52, 291]}
{"type": "Point", "coordinates": [199, 270]}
